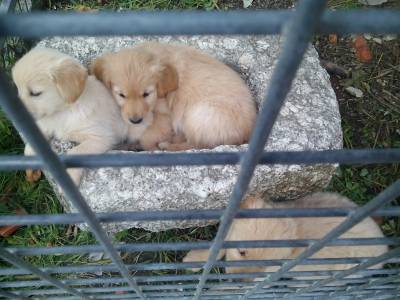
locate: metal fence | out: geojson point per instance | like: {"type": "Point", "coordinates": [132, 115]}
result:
{"type": "Point", "coordinates": [297, 26]}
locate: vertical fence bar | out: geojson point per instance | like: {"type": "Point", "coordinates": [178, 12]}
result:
{"type": "Point", "coordinates": [384, 197]}
{"type": "Point", "coordinates": [298, 35]}
{"type": "Point", "coordinates": [11, 258]}
{"type": "Point", "coordinates": [25, 124]}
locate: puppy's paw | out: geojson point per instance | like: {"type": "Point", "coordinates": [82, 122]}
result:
{"type": "Point", "coordinates": [76, 175]}
{"type": "Point", "coordinates": [33, 175]}
{"type": "Point", "coordinates": [194, 256]}
{"type": "Point", "coordinates": [164, 145]}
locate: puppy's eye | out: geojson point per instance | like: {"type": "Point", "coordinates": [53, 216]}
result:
{"type": "Point", "coordinates": [35, 94]}
{"type": "Point", "coordinates": [121, 95]}
{"type": "Point", "coordinates": [145, 94]}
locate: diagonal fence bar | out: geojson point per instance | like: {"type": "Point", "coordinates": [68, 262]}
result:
{"type": "Point", "coordinates": [25, 124]}
{"type": "Point", "coordinates": [34, 270]}
{"type": "Point", "coordinates": [298, 35]}
{"type": "Point", "coordinates": [390, 193]}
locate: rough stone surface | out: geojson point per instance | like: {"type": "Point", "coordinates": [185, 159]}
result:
{"type": "Point", "coordinates": [309, 120]}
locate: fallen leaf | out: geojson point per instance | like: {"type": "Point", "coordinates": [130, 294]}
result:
{"type": "Point", "coordinates": [335, 69]}
{"type": "Point", "coordinates": [378, 220]}
{"type": "Point", "coordinates": [377, 40]}
{"type": "Point", "coordinates": [389, 37]}
{"type": "Point", "coordinates": [95, 256]}
{"type": "Point", "coordinates": [362, 49]}
{"type": "Point", "coordinates": [333, 38]}
{"type": "Point", "coordinates": [33, 175]}
{"type": "Point", "coordinates": [247, 3]}
{"type": "Point", "coordinates": [84, 8]}
{"type": "Point", "coordinates": [372, 2]}
{"type": "Point", "coordinates": [5, 193]}
{"type": "Point", "coordinates": [354, 91]}
{"type": "Point", "coordinates": [6, 231]}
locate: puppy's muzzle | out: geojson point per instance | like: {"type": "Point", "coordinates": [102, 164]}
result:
{"type": "Point", "coordinates": [136, 120]}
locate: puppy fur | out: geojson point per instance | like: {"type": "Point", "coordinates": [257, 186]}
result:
{"type": "Point", "coordinates": [68, 104]}
{"type": "Point", "coordinates": [294, 228]}
{"type": "Point", "coordinates": [209, 104]}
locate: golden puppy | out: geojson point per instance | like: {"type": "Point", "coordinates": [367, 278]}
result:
{"type": "Point", "coordinates": [67, 103]}
{"type": "Point", "coordinates": [294, 228]}
{"type": "Point", "coordinates": [208, 102]}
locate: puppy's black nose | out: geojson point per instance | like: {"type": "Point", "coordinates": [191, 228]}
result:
{"type": "Point", "coordinates": [135, 120]}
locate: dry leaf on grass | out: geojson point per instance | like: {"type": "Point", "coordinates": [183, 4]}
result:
{"type": "Point", "coordinates": [362, 49]}
{"type": "Point", "coordinates": [84, 8]}
{"type": "Point", "coordinates": [6, 231]}
{"type": "Point", "coordinates": [333, 38]}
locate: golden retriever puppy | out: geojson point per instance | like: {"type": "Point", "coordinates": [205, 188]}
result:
{"type": "Point", "coordinates": [68, 104]}
{"type": "Point", "coordinates": [208, 102]}
{"type": "Point", "coordinates": [294, 228]}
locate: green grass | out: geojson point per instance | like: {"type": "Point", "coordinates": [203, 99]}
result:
{"type": "Point", "coordinates": [370, 123]}
{"type": "Point", "coordinates": [134, 4]}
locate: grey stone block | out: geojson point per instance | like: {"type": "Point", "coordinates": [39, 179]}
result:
{"type": "Point", "coordinates": [309, 120]}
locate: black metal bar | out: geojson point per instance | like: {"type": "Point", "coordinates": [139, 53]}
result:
{"type": "Point", "coordinates": [190, 22]}
{"type": "Point", "coordinates": [217, 277]}
{"type": "Point", "coordinates": [361, 157]}
{"type": "Point", "coordinates": [209, 293]}
{"type": "Point", "coordinates": [219, 23]}
{"type": "Point", "coordinates": [342, 274]}
{"type": "Point", "coordinates": [298, 35]}
{"type": "Point", "coordinates": [233, 286]}
{"type": "Point", "coordinates": [291, 281]}
{"type": "Point", "coordinates": [216, 286]}
{"type": "Point", "coordinates": [173, 246]}
{"type": "Point", "coordinates": [384, 197]}
{"type": "Point", "coordinates": [12, 296]}
{"type": "Point", "coordinates": [372, 282]}
{"type": "Point", "coordinates": [11, 258]}
{"type": "Point", "coordinates": [6, 6]}
{"type": "Point", "coordinates": [187, 265]}
{"type": "Point", "coordinates": [25, 124]}
{"type": "Point", "coordinates": [209, 214]}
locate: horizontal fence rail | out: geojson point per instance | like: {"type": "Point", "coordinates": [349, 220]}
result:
{"type": "Point", "coordinates": [182, 246]}
{"type": "Point", "coordinates": [211, 214]}
{"type": "Point", "coordinates": [362, 278]}
{"type": "Point", "coordinates": [362, 157]}
{"type": "Point", "coordinates": [190, 23]}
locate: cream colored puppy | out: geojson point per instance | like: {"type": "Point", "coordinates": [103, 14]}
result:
{"type": "Point", "coordinates": [68, 104]}
{"type": "Point", "coordinates": [209, 104]}
{"type": "Point", "coordinates": [294, 228]}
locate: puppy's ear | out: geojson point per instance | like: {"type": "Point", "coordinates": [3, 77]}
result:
{"type": "Point", "coordinates": [98, 68]}
{"type": "Point", "coordinates": [168, 81]}
{"type": "Point", "coordinates": [70, 79]}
